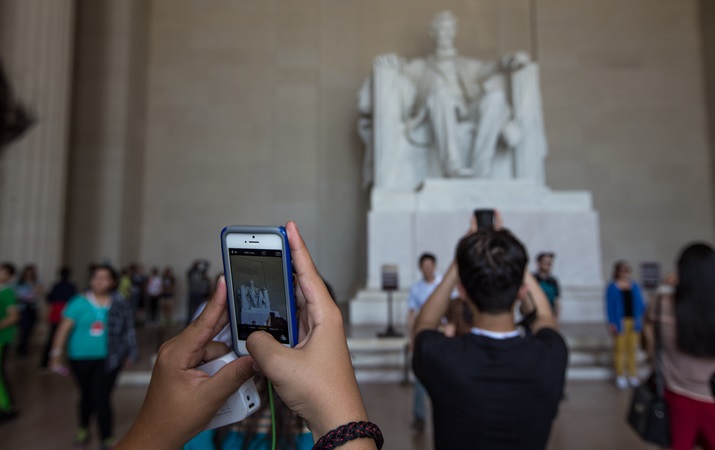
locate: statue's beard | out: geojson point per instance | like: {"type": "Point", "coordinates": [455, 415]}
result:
{"type": "Point", "coordinates": [446, 51]}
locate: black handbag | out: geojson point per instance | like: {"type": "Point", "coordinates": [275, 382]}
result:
{"type": "Point", "coordinates": [648, 414]}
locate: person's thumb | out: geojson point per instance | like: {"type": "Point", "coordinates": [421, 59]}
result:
{"type": "Point", "coordinates": [228, 380]}
{"type": "Point", "coordinates": [267, 352]}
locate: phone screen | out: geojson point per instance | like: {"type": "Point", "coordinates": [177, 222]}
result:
{"type": "Point", "coordinates": [259, 292]}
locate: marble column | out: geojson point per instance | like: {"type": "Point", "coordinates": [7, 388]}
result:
{"type": "Point", "coordinates": [36, 40]}
{"type": "Point", "coordinates": [107, 136]}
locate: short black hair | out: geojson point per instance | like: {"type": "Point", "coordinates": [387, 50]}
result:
{"type": "Point", "coordinates": [427, 255]}
{"type": "Point", "coordinates": [108, 267]}
{"type": "Point", "coordinates": [9, 267]}
{"type": "Point", "coordinates": [617, 266]}
{"type": "Point", "coordinates": [694, 305]}
{"type": "Point", "coordinates": [65, 272]}
{"type": "Point", "coordinates": [543, 255]}
{"type": "Point", "coordinates": [491, 268]}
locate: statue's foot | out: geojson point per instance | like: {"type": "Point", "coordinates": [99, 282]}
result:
{"type": "Point", "coordinates": [461, 172]}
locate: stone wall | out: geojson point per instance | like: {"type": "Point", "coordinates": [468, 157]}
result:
{"type": "Point", "coordinates": [248, 116]}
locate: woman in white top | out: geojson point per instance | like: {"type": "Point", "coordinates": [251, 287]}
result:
{"type": "Point", "coordinates": [687, 327]}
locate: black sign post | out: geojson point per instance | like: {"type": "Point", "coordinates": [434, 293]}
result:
{"type": "Point", "coordinates": [390, 283]}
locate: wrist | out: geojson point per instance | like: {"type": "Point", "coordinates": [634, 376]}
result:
{"type": "Point", "coordinates": [352, 435]}
{"type": "Point", "coordinates": [334, 419]}
{"type": "Point", "coordinates": [55, 353]}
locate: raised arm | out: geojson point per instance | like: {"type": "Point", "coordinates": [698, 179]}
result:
{"type": "Point", "coordinates": [544, 316]}
{"type": "Point", "coordinates": [437, 304]}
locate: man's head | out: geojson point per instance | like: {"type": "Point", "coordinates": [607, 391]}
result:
{"type": "Point", "coordinates": [428, 264]}
{"type": "Point", "coordinates": [545, 261]}
{"type": "Point", "coordinates": [443, 30]}
{"type": "Point", "coordinates": [7, 271]}
{"type": "Point", "coordinates": [491, 268]}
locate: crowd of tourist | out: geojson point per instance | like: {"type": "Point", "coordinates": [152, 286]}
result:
{"type": "Point", "coordinates": [484, 333]}
{"type": "Point", "coordinates": [90, 330]}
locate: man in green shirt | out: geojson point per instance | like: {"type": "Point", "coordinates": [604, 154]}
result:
{"type": "Point", "coordinates": [9, 316]}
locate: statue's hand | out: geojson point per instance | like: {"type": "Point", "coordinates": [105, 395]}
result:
{"type": "Point", "coordinates": [388, 61]}
{"type": "Point", "coordinates": [515, 61]}
{"type": "Point", "coordinates": [512, 134]}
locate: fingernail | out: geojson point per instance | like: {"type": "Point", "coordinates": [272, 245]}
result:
{"type": "Point", "coordinates": [256, 368]}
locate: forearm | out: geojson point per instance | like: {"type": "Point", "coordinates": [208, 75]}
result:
{"type": "Point", "coordinates": [11, 319]}
{"type": "Point", "coordinates": [437, 304]}
{"type": "Point", "coordinates": [143, 438]}
{"type": "Point", "coordinates": [411, 322]}
{"type": "Point", "coordinates": [544, 315]}
{"type": "Point", "coordinates": [58, 343]}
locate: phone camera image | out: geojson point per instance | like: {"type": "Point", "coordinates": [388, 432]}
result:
{"type": "Point", "coordinates": [259, 290]}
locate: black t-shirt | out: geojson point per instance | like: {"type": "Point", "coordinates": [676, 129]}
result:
{"type": "Point", "coordinates": [492, 394]}
{"type": "Point", "coordinates": [627, 303]}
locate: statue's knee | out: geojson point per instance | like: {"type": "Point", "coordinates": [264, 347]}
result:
{"type": "Point", "coordinates": [493, 103]}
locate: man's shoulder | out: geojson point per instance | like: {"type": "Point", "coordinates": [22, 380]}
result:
{"type": "Point", "coordinates": [426, 340]}
{"type": "Point", "coordinates": [434, 345]}
{"type": "Point", "coordinates": [551, 338]}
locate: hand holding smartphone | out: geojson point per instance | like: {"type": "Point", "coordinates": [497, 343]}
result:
{"type": "Point", "coordinates": [485, 218]}
{"type": "Point", "coordinates": [259, 281]}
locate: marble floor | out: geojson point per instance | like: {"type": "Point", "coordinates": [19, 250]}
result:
{"type": "Point", "coordinates": [592, 417]}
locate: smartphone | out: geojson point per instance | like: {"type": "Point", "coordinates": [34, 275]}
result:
{"type": "Point", "coordinates": [259, 280]}
{"type": "Point", "coordinates": [485, 218]}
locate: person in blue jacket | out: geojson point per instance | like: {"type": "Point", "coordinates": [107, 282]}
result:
{"type": "Point", "coordinates": [625, 308]}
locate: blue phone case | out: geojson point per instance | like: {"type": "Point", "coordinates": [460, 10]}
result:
{"type": "Point", "coordinates": [287, 272]}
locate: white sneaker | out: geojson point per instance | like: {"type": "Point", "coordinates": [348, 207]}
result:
{"type": "Point", "coordinates": [622, 382]}
{"type": "Point", "coordinates": [634, 381]}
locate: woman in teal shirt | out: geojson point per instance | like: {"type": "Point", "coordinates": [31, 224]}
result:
{"type": "Point", "coordinates": [97, 330]}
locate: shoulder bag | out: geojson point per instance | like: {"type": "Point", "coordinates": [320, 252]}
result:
{"type": "Point", "coordinates": [648, 414]}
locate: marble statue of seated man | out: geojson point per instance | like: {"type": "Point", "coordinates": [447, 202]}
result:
{"type": "Point", "coordinates": [445, 91]}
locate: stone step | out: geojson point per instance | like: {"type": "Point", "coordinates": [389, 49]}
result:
{"type": "Point", "coordinates": [383, 359]}
{"type": "Point", "coordinates": [387, 375]}
{"type": "Point", "coordinates": [577, 360]}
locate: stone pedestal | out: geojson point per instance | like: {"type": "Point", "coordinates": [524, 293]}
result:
{"type": "Point", "coordinates": [403, 224]}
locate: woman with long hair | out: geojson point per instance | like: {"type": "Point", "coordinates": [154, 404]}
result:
{"type": "Point", "coordinates": [29, 291]}
{"type": "Point", "coordinates": [624, 310]}
{"type": "Point", "coordinates": [687, 330]}
{"type": "Point", "coordinates": [97, 330]}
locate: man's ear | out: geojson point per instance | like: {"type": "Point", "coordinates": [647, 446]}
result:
{"type": "Point", "coordinates": [523, 292]}
{"type": "Point", "coordinates": [462, 291]}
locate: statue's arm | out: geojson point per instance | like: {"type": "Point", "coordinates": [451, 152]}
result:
{"type": "Point", "coordinates": [402, 76]}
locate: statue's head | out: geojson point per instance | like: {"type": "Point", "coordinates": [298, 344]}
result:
{"type": "Point", "coordinates": [443, 30]}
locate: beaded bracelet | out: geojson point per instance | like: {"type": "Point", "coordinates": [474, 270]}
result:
{"type": "Point", "coordinates": [348, 432]}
